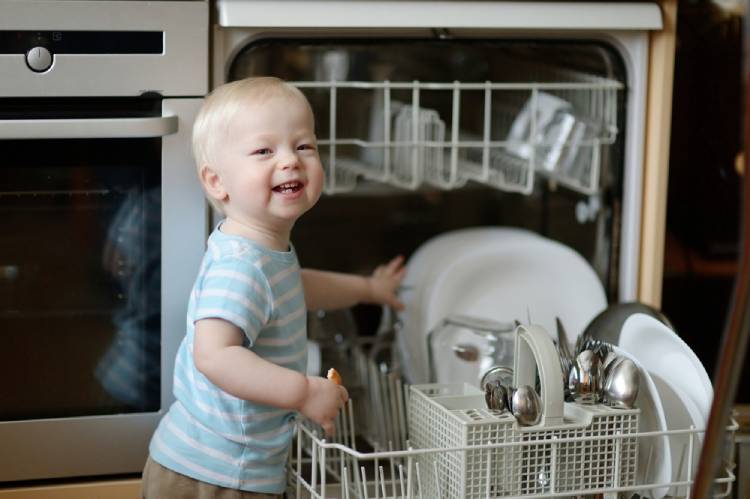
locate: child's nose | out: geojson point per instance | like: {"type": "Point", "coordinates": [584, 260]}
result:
{"type": "Point", "coordinates": [289, 160]}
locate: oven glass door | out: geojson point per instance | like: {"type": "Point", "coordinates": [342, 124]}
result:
{"type": "Point", "coordinates": [80, 259]}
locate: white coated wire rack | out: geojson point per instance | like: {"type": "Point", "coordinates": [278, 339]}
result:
{"type": "Point", "coordinates": [496, 133]}
{"type": "Point", "coordinates": [355, 464]}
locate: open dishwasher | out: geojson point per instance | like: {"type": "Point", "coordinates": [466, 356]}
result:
{"type": "Point", "coordinates": [535, 127]}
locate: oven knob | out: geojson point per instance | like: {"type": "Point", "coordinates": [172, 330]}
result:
{"type": "Point", "coordinates": [39, 59]}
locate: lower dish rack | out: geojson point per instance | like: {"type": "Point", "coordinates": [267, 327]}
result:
{"type": "Point", "coordinates": [377, 452]}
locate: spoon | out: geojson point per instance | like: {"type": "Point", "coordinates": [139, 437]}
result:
{"type": "Point", "coordinates": [621, 384]}
{"type": "Point", "coordinates": [587, 383]}
{"type": "Point", "coordinates": [496, 396]}
{"type": "Point", "coordinates": [526, 406]}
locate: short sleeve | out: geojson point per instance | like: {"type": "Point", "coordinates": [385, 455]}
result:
{"type": "Point", "coordinates": [237, 291]}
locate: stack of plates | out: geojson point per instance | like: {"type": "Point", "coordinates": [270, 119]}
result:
{"type": "Point", "coordinates": [676, 395]}
{"type": "Point", "coordinates": [501, 274]}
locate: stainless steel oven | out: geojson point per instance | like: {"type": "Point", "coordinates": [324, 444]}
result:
{"type": "Point", "coordinates": [103, 225]}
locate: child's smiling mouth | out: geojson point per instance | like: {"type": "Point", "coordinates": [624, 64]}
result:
{"type": "Point", "coordinates": [289, 187]}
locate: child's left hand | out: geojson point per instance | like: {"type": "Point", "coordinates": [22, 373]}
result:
{"type": "Point", "coordinates": [385, 281]}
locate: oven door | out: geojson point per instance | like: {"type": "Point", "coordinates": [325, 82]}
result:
{"type": "Point", "coordinates": [102, 216]}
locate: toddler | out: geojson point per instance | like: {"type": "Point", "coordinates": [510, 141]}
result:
{"type": "Point", "coordinates": [240, 371]}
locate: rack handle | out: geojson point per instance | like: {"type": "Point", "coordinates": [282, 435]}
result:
{"type": "Point", "coordinates": [535, 351]}
{"type": "Point", "coordinates": [97, 128]}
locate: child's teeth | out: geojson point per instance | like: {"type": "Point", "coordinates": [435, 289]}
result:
{"type": "Point", "coordinates": [288, 187]}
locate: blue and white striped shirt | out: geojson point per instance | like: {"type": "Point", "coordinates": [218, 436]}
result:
{"type": "Point", "coordinates": [208, 434]}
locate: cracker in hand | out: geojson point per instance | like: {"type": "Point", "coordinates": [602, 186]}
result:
{"type": "Point", "coordinates": [334, 376]}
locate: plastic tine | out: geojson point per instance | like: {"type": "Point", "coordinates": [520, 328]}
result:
{"type": "Point", "coordinates": [382, 481]}
{"type": "Point", "coordinates": [322, 470]}
{"type": "Point", "coordinates": [345, 481]}
{"type": "Point", "coordinates": [314, 479]}
{"type": "Point", "coordinates": [375, 483]}
{"type": "Point", "coordinates": [401, 479]}
{"type": "Point", "coordinates": [679, 468]}
{"type": "Point", "coordinates": [648, 466]}
{"type": "Point", "coordinates": [385, 398]}
{"type": "Point", "coordinates": [344, 420]}
{"type": "Point", "coordinates": [357, 483]}
{"type": "Point", "coordinates": [377, 402]}
{"type": "Point", "coordinates": [409, 485]}
{"type": "Point", "coordinates": [419, 480]}
{"type": "Point", "coordinates": [364, 482]}
{"type": "Point", "coordinates": [342, 461]}
{"type": "Point", "coordinates": [393, 404]}
{"type": "Point", "coordinates": [691, 441]}
{"type": "Point", "coordinates": [401, 411]}
{"type": "Point", "coordinates": [393, 469]}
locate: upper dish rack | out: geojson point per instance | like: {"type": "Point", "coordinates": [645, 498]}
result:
{"type": "Point", "coordinates": [445, 134]}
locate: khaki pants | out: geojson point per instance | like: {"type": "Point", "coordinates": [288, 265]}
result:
{"type": "Point", "coordinates": [162, 483]}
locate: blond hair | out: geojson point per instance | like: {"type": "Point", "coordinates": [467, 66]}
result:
{"type": "Point", "coordinates": [222, 105]}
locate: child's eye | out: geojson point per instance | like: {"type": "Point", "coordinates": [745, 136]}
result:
{"type": "Point", "coordinates": [262, 151]}
{"type": "Point", "coordinates": [306, 147]}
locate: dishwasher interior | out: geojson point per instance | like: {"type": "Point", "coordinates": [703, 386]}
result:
{"type": "Point", "coordinates": [421, 138]}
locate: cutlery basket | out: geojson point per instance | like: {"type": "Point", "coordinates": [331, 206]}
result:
{"type": "Point", "coordinates": [574, 448]}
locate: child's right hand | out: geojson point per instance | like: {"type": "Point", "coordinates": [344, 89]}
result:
{"type": "Point", "coordinates": [323, 401]}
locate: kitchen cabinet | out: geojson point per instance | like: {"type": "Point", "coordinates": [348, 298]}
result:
{"type": "Point", "coordinates": [115, 489]}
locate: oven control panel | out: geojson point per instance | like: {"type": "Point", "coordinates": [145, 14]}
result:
{"type": "Point", "coordinates": [104, 48]}
{"type": "Point", "coordinates": [39, 47]}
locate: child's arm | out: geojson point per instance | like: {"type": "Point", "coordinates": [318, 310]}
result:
{"type": "Point", "coordinates": [220, 356]}
{"type": "Point", "coordinates": [333, 290]}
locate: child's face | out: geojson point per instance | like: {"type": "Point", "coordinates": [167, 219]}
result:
{"type": "Point", "coordinates": [269, 163]}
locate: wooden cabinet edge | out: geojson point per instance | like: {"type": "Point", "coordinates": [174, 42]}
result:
{"type": "Point", "coordinates": [117, 489]}
{"type": "Point", "coordinates": [656, 158]}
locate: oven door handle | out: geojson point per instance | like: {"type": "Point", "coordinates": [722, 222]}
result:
{"type": "Point", "coordinates": [98, 128]}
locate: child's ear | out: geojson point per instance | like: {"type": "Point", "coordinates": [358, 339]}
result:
{"type": "Point", "coordinates": [212, 183]}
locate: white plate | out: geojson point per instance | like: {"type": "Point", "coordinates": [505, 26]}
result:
{"type": "Point", "coordinates": [534, 277]}
{"type": "Point", "coordinates": [654, 453]}
{"type": "Point", "coordinates": [663, 353]}
{"type": "Point", "coordinates": [446, 247]}
{"type": "Point", "coordinates": [681, 413]}
{"type": "Point", "coordinates": [423, 266]}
